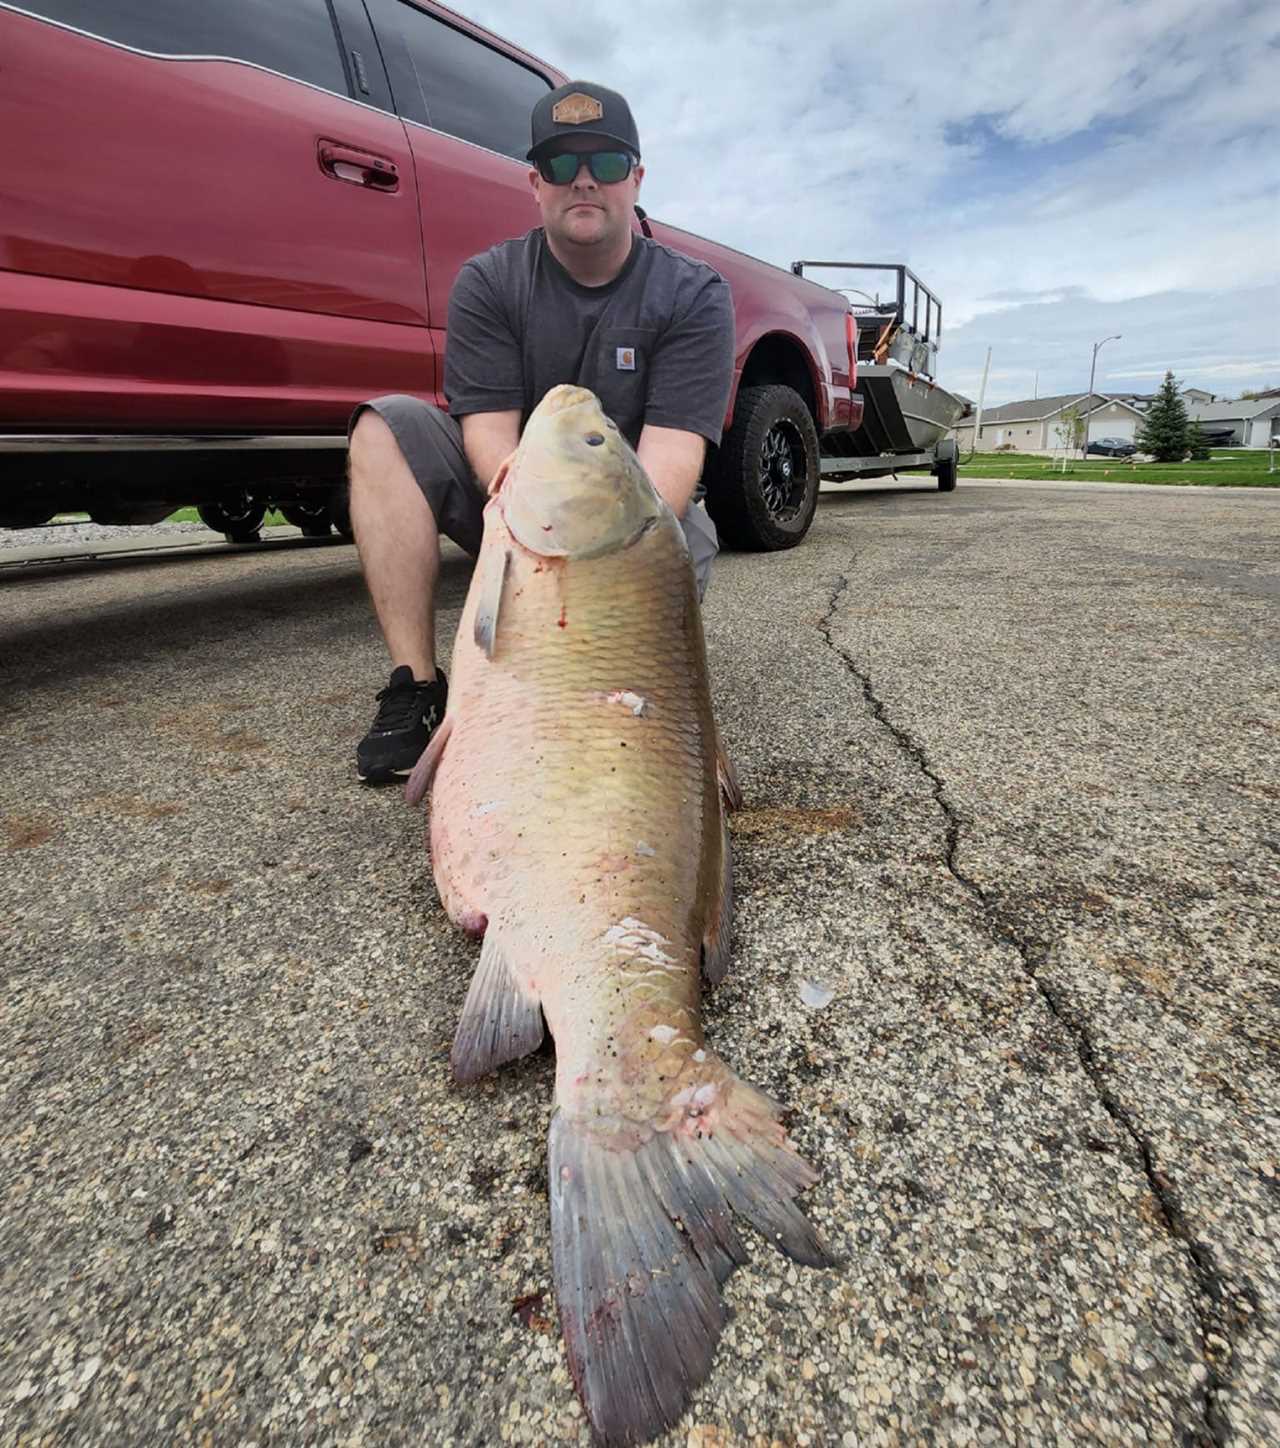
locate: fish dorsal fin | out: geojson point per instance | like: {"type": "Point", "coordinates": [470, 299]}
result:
{"type": "Point", "coordinates": [501, 1021]}
{"type": "Point", "coordinates": [727, 776]}
{"type": "Point", "coordinates": [716, 941]}
{"type": "Point", "coordinates": [489, 602]}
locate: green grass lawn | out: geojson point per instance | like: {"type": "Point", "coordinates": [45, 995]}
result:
{"type": "Point", "coordinates": [1226, 468]}
{"type": "Point", "coordinates": [189, 515]}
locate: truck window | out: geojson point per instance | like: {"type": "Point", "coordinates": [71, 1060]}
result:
{"type": "Point", "coordinates": [455, 83]}
{"type": "Point", "coordinates": [294, 37]}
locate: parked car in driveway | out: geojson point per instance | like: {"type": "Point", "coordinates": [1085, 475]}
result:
{"type": "Point", "coordinates": [1112, 447]}
{"type": "Point", "coordinates": [240, 219]}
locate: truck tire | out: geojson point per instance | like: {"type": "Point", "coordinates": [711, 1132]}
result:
{"type": "Point", "coordinates": [340, 512]}
{"type": "Point", "coordinates": [762, 483]}
{"type": "Point", "coordinates": [945, 464]}
{"type": "Point", "coordinates": [238, 517]}
{"type": "Point", "coordinates": [312, 517]}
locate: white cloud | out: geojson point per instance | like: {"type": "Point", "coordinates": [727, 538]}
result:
{"type": "Point", "coordinates": [1095, 156]}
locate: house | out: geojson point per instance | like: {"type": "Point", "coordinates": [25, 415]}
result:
{"type": "Point", "coordinates": [1038, 425]}
{"type": "Point", "coordinates": [1143, 400]}
{"type": "Point", "coordinates": [1252, 424]}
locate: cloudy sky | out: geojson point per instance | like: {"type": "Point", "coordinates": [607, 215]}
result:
{"type": "Point", "coordinates": [1055, 172]}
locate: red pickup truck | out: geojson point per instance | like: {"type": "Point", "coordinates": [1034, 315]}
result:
{"type": "Point", "coordinates": [222, 225]}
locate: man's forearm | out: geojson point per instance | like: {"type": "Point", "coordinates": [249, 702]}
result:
{"type": "Point", "coordinates": [489, 439]}
{"type": "Point", "coordinates": [673, 460]}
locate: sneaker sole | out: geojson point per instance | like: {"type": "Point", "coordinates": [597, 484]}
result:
{"type": "Point", "coordinates": [384, 776]}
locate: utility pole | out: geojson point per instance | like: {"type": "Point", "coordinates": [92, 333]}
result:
{"type": "Point", "coordinates": [982, 392]}
{"type": "Point", "coordinates": [1088, 400]}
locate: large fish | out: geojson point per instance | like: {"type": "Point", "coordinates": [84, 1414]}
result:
{"type": "Point", "coordinates": [578, 821]}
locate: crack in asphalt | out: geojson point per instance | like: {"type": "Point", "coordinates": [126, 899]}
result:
{"type": "Point", "coordinates": [1210, 1303]}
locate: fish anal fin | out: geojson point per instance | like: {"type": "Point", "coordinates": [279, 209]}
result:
{"type": "Point", "coordinates": [489, 604]}
{"type": "Point", "coordinates": [500, 1022]}
{"type": "Point", "coordinates": [716, 942]}
{"type": "Point", "coordinates": [419, 781]}
{"type": "Point", "coordinates": [641, 1239]}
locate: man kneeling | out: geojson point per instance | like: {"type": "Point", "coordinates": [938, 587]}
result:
{"type": "Point", "coordinates": [580, 299]}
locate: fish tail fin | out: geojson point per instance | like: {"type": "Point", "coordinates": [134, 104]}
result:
{"type": "Point", "coordinates": [501, 1020]}
{"type": "Point", "coordinates": [643, 1235]}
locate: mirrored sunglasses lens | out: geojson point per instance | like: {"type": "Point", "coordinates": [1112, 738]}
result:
{"type": "Point", "coordinates": [561, 169]}
{"type": "Point", "coordinates": [610, 166]}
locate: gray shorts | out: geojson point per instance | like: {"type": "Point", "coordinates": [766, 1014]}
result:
{"type": "Point", "coordinates": [431, 442]}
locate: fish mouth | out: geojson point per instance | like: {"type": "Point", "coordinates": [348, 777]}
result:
{"type": "Point", "coordinates": [562, 398]}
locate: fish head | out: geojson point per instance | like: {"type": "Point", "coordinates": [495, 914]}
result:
{"type": "Point", "coordinates": [575, 488]}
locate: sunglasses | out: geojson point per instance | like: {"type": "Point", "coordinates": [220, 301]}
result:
{"type": "Point", "coordinates": [608, 167]}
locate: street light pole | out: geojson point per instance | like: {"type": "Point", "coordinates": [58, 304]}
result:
{"type": "Point", "coordinates": [1088, 401]}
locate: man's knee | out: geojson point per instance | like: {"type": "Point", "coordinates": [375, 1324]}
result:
{"type": "Point", "coordinates": [399, 442]}
{"type": "Point", "coordinates": [374, 451]}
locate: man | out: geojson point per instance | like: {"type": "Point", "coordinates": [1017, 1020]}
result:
{"type": "Point", "coordinates": [581, 299]}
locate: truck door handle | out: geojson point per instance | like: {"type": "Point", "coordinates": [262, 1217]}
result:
{"type": "Point", "coordinates": [361, 168]}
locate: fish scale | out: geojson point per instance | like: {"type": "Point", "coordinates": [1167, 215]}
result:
{"type": "Point", "coordinates": [577, 823]}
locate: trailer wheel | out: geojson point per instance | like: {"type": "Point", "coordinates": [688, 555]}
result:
{"type": "Point", "coordinates": [312, 517]}
{"type": "Point", "coordinates": [944, 468]}
{"type": "Point", "coordinates": [762, 484]}
{"type": "Point", "coordinates": [238, 517]}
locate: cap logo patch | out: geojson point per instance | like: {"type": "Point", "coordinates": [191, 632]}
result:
{"type": "Point", "coordinates": [575, 109]}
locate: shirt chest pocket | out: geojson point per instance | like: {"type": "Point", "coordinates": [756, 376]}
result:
{"type": "Point", "coordinates": [622, 370]}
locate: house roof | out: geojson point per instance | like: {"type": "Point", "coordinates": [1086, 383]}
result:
{"type": "Point", "coordinates": [1237, 411]}
{"type": "Point", "coordinates": [1035, 409]}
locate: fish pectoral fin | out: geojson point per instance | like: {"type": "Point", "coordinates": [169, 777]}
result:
{"type": "Point", "coordinates": [500, 1022]}
{"type": "Point", "coordinates": [727, 775]}
{"type": "Point", "coordinates": [488, 604]}
{"type": "Point", "coordinates": [717, 940]}
{"type": "Point", "coordinates": [500, 477]}
{"type": "Point", "coordinates": [419, 781]}
{"type": "Point", "coordinates": [643, 1237]}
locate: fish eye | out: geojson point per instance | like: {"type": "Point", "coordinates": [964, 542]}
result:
{"type": "Point", "coordinates": [593, 439]}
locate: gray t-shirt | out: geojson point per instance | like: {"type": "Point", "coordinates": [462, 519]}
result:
{"type": "Point", "coordinates": [656, 344]}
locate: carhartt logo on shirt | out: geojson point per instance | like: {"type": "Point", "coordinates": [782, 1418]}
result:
{"type": "Point", "coordinates": [626, 359]}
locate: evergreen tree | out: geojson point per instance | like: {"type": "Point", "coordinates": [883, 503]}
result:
{"type": "Point", "coordinates": [1163, 432]}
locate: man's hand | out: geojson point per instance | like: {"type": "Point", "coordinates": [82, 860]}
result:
{"type": "Point", "coordinates": [673, 459]}
{"type": "Point", "coordinates": [489, 439]}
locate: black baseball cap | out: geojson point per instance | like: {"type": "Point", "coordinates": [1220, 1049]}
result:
{"type": "Point", "coordinates": [582, 108]}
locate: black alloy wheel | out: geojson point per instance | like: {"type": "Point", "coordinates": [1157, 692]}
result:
{"type": "Point", "coordinates": [762, 483]}
{"type": "Point", "coordinates": [782, 471]}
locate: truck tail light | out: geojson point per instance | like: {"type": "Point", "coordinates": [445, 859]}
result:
{"type": "Point", "coordinates": [851, 338]}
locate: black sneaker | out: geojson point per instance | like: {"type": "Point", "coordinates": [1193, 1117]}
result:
{"type": "Point", "coordinates": [408, 714]}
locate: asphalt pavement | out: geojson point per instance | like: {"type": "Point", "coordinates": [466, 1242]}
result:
{"type": "Point", "coordinates": [1006, 945]}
